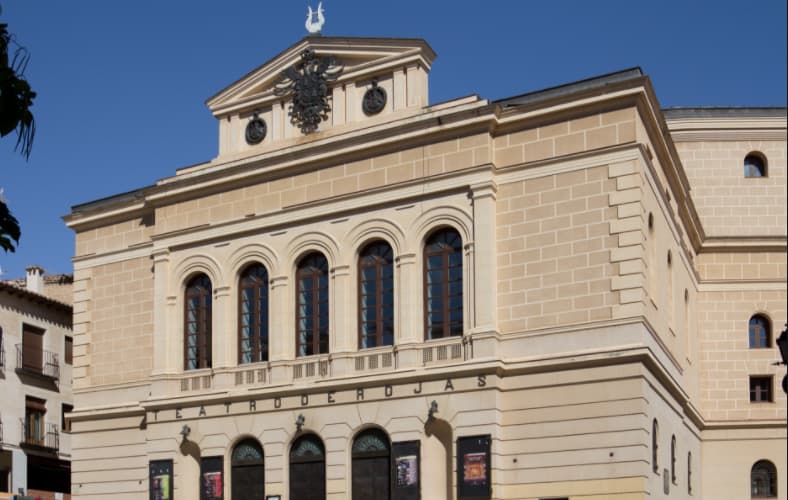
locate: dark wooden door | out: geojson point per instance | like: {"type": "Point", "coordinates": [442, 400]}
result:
{"type": "Point", "coordinates": [308, 481]}
{"type": "Point", "coordinates": [371, 478]}
{"type": "Point", "coordinates": [32, 348]}
{"type": "Point", "coordinates": [248, 482]}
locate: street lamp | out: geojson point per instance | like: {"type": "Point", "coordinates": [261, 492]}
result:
{"type": "Point", "coordinates": [782, 343]}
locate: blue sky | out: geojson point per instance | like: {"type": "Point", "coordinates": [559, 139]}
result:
{"type": "Point", "coordinates": [122, 85]}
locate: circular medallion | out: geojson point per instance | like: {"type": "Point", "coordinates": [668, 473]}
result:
{"type": "Point", "coordinates": [374, 100]}
{"type": "Point", "coordinates": [256, 130]}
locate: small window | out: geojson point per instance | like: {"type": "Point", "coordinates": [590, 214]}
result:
{"type": "Point", "coordinates": [69, 351]}
{"type": "Point", "coordinates": [761, 389]}
{"type": "Point", "coordinates": [654, 446]}
{"type": "Point", "coordinates": [65, 423]}
{"type": "Point", "coordinates": [689, 473]}
{"type": "Point", "coordinates": [754, 166]}
{"type": "Point", "coordinates": [763, 480]}
{"type": "Point", "coordinates": [673, 477]}
{"type": "Point", "coordinates": [760, 332]}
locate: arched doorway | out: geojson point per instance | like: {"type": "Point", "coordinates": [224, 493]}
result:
{"type": "Point", "coordinates": [371, 466]}
{"type": "Point", "coordinates": [308, 469]}
{"type": "Point", "coordinates": [248, 471]}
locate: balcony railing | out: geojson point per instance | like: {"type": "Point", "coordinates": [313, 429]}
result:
{"type": "Point", "coordinates": [2, 355]}
{"type": "Point", "coordinates": [35, 362]}
{"type": "Point", "coordinates": [35, 436]}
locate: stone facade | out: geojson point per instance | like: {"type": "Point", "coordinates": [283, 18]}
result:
{"type": "Point", "coordinates": [35, 450]}
{"type": "Point", "coordinates": [600, 299]}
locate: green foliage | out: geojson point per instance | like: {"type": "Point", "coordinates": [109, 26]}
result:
{"type": "Point", "coordinates": [16, 96]}
{"type": "Point", "coordinates": [9, 229]}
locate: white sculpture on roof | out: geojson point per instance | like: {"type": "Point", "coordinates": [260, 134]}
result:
{"type": "Point", "coordinates": [312, 26]}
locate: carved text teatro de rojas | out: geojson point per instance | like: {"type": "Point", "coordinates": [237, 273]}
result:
{"type": "Point", "coordinates": [569, 293]}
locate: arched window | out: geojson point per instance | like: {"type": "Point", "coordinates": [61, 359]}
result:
{"type": "Point", "coordinates": [312, 305]}
{"type": "Point", "coordinates": [443, 284]}
{"type": "Point", "coordinates": [253, 315]}
{"type": "Point", "coordinates": [673, 477]}
{"type": "Point", "coordinates": [754, 165]}
{"type": "Point", "coordinates": [763, 480]}
{"type": "Point", "coordinates": [654, 446]}
{"type": "Point", "coordinates": [371, 466]}
{"type": "Point", "coordinates": [376, 295]}
{"type": "Point", "coordinates": [248, 470]}
{"type": "Point", "coordinates": [308, 468]}
{"type": "Point", "coordinates": [760, 331]}
{"type": "Point", "coordinates": [197, 323]}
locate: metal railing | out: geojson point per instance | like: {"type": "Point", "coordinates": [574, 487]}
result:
{"type": "Point", "coordinates": [37, 362]}
{"type": "Point", "coordinates": [2, 355]}
{"type": "Point", "coordinates": [34, 435]}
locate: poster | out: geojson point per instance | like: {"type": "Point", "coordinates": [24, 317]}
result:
{"type": "Point", "coordinates": [160, 480]}
{"type": "Point", "coordinates": [475, 468]}
{"type": "Point", "coordinates": [161, 487]}
{"type": "Point", "coordinates": [407, 471]}
{"type": "Point", "coordinates": [212, 485]}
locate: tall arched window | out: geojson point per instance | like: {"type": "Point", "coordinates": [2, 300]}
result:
{"type": "Point", "coordinates": [308, 468]}
{"type": "Point", "coordinates": [654, 446]}
{"type": "Point", "coordinates": [312, 305]}
{"type": "Point", "coordinates": [443, 284]}
{"type": "Point", "coordinates": [376, 295]}
{"type": "Point", "coordinates": [763, 480]}
{"type": "Point", "coordinates": [760, 332]}
{"type": "Point", "coordinates": [253, 315]}
{"type": "Point", "coordinates": [371, 466]}
{"type": "Point", "coordinates": [248, 470]}
{"type": "Point", "coordinates": [673, 476]}
{"type": "Point", "coordinates": [197, 323]}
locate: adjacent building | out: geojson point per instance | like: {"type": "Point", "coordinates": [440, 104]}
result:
{"type": "Point", "coordinates": [35, 384]}
{"type": "Point", "coordinates": [570, 293]}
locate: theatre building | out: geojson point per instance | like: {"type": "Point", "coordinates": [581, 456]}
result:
{"type": "Point", "coordinates": [569, 293]}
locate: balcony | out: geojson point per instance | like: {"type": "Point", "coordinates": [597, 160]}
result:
{"type": "Point", "coordinates": [38, 363]}
{"type": "Point", "coordinates": [35, 437]}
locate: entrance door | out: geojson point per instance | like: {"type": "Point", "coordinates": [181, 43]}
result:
{"type": "Point", "coordinates": [308, 469]}
{"type": "Point", "coordinates": [248, 471]}
{"type": "Point", "coordinates": [371, 466]}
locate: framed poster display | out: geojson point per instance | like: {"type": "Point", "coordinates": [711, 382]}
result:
{"type": "Point", "coordinates": [160, 482]}
{"type": "Point", "coordinates": [405, 470]}
{"type": "Point", "coordinates": [473, 468]}
{"type": "Point", "coordinates": [211, 478]}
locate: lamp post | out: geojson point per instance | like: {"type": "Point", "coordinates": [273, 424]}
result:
{"type": "Point", "coordinates": [782, 343]}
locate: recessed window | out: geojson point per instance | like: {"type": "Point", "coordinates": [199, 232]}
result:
{"type": "Point", "coordinates": [376, 295]}
{"type": "Point", "coordinates": [312, 305]}
{"type": "Point", "coordinates": [65, 423]}
{"type": "Point", "coordinates": [754, 165]}
{"type": "Point", "coordinates": [253, 315]}
{"type": "Point", "coordinates": [443, 285]}
{"type": "Point", "coordinates": [654, 446]}
{"type": "Point", "coordinates": [69, 351]}
{"type": "Point", "coordinates": [763, 480]}
{"type": "Point", "coordinates": [689, 473]}
{"type": "Point", "coordinates": [673, 476]}
{"type": "Point", "coordinates": [197, 323]}
{"type": "Point", "coordinates": [761, 389]}
{"type": "Point", "coordinates": [760, 332]}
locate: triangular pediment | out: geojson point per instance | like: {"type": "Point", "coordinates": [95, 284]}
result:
{"type": "Point", "coordinates": [360, 58]}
